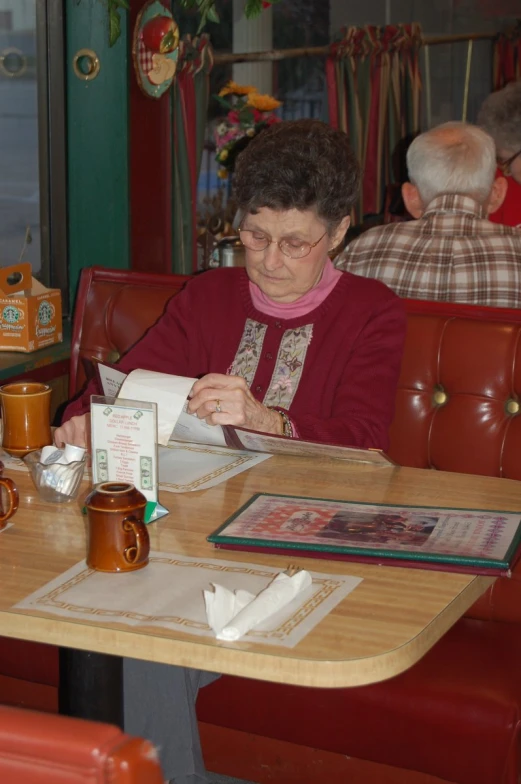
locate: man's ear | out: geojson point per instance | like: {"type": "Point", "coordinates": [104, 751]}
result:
{"type": "Point", "coordinates": [339, 233]}
{"type": "Point", "coordinates": [497, 194]}
{"type": "Point", "coordinates": [412, 200]}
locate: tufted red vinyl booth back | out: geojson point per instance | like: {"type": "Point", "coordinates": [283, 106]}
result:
{"type": "Point", "coordinates": [457, 404]}
{"type": "Point", "coordinates": [38, 748]}
{"type": "Point", "coordinates": [458, 396]}
{"type": "Point", "coordinates": [113, 310]}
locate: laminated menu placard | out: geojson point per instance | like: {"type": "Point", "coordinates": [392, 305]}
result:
{"type": "Point", "coordinates": [124, 447]}
{"type": "Point", "coordinates": [478, 541]}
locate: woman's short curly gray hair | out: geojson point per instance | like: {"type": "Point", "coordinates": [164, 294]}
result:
{"type": "Point", "coordinates": [298, 164]}
{"type": "Point", "coordinates": [500, 116]}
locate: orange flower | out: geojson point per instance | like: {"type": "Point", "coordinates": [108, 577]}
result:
{"type": "Point", "coordinates": [264, 103]}
{"type": "Point", "coordinates": [222, 174]}
{"type": "Point", "coordinates": [236, 89]}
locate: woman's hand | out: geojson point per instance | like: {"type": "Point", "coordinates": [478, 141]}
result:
{"type": "Point", "coordinates": [227, 400]}
{"type": "Point", "coordinates": [75, 431]}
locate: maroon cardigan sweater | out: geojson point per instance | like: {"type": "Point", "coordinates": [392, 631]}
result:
{"type": "Point", "coordinates": [347, 388]}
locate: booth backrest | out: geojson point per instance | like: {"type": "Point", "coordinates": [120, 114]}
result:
{"type": "Point", "coordinates": [458, 397]}
{"type": "Point", "coordinates": [113, 310]}
{"type": "Point", "coordinates": [459, 393]}
{"type": "Point", "coordinates": [39, 748]}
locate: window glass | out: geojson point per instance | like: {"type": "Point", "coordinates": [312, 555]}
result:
{"type": "Point", "coordinates": [19, 182]}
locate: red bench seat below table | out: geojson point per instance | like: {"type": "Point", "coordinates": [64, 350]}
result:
{"type": "Point", "coordinates": [456, 714]}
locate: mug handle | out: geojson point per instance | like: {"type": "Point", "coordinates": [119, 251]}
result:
{"type": "Point", "coordinates": [12, 494]}
{"type": "Point", "coordinates": [139, 551]}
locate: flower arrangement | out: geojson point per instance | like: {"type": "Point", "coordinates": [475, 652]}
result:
{"type": "Point", "coordinates": [248, 113]}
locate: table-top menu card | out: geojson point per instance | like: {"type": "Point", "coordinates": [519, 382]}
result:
{"type": "Point", "coordinates": [124, 446]}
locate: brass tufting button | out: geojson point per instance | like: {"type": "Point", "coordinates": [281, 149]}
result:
{"type": "Point", "coordinates": [512, 407]}
{"type": "Point", "coordinates": [440, 397]}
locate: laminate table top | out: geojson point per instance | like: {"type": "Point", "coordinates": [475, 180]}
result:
{"type": "Point", "coordinates": [383, 627]}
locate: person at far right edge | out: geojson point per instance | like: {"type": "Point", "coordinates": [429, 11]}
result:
{"type": "Point", "coordinates": [451, 251]}
{"type": "Point", "coordinates": [500, 116]}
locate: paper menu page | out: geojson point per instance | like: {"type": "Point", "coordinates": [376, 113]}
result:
{"type": "Point", "coordinates": [190, 428]}
{"type": "Point", "coordinates": [168, 392]}
{"type": "Point", "coordinates": [111, 380]}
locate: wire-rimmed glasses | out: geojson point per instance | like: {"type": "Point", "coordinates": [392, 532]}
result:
{"type": "Point", "coordinates": [506, 165]}
{"type": "Point", "coordinates": [293, 248]}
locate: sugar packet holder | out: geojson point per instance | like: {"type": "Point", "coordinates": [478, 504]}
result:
{"type": "Point", "coordinates": [124, 447]}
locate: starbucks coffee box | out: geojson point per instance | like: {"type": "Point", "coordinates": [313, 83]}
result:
{"type": "Point", "coordinates": [30, 313]}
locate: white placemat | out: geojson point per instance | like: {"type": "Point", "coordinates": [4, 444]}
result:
{"type": "Point", "coordinates": [169, 593]}
{"type": "Point", "coordinates": [184, 467]}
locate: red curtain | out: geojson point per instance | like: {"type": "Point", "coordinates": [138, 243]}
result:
{"type": "Point", "coordinates": [507, 57]}
{"type": "Point", "coordinates": [189, 107]}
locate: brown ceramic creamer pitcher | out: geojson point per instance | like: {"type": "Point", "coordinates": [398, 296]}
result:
{"type": "Point", "coordinates": [117, 535]}
{"type": "Point", "coordinates": [26, 416]}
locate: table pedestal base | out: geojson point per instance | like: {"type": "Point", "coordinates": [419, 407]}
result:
{"type": "Point", "coordinates": [91, 686]}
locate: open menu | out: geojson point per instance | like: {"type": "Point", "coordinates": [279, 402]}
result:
{"type": "Point", "coordinates": [466, 540]}
{"type": "Point", "coordinates": [176, 424]}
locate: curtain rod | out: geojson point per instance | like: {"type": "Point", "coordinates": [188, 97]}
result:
{"type": "Point", "coordinates": [221, 58]}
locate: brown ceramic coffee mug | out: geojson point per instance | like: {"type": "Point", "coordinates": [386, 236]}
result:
{"type": "Point", "coordinates": [26, 416]}
{"type": "Point", "coordinates": [117, 535]}
{"type": "Point", "coordinates": [8, 498]}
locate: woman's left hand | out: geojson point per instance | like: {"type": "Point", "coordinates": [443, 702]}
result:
{"type": "Point", "coordinates": [227, 400]}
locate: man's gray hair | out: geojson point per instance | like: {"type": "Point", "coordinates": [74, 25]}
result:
{"type": "Point", "coordinates": [500, 116]}
{"type": "Point", "coordinates": [452, 158]}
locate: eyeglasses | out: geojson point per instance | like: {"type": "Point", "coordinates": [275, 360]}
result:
{"type": "Point", "coordinates": [505, 166]}
{"type": "Point", "coordinates": [295, 249]}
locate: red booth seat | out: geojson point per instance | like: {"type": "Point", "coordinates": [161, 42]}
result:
{"type": "Point", "coordinates": [39, 749]}
{"type": "Point", "coordinates": [455, 715]}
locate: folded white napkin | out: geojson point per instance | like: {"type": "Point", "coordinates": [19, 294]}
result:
{"type": "Point", "coordinates": [232, 614]}
{"type": "Point", "coordinates": [56, 474]}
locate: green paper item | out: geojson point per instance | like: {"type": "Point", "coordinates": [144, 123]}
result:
{"type": "Point", "coordinates": [149, 510]}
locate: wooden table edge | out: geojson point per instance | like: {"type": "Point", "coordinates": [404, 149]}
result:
{"type": "Point", "coordinates": [236, 658]}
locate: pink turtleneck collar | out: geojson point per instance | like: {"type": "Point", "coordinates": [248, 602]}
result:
{"type": "Point", "coordinates": [305, 304]}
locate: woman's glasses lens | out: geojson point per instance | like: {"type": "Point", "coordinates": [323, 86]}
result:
{"type": "Point", "coordinates": [252, 240]}
{"type": "Point", "coordinates": [255, 241]}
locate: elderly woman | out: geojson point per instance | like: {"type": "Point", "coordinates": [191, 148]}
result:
{"type": "Point", "coordinates": [500, 116]}
{"type": "Point", "coordinates": [288, 345]}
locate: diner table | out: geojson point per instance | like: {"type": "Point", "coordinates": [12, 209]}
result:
{"type": "Point", "coordinates": [385, 625]}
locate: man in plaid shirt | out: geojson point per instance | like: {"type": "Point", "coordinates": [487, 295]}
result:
{"type": "Point", "coordinates": [450, 251]}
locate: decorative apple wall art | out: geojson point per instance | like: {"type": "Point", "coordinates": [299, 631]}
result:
{"type": "Point", "coordinates": [155, 49]}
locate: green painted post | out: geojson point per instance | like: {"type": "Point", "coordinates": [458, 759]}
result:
{"type": "Point", "coordinates": [97, 142]}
